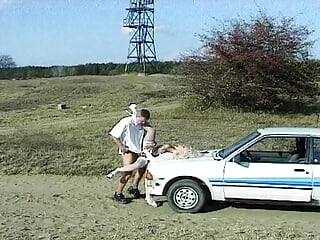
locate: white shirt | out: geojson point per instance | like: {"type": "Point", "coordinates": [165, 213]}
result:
{"type": "Point", "coordinates": [129, 133]}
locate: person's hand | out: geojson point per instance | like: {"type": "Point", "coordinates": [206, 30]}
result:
{"type": "Point", "coordinates": [124, 149]}
{"type": "Point", "coordinates": [142, 154]}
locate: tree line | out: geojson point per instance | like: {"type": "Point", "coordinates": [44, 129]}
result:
{"type": "Point", "coordinates": [261, 64]}
{"type": "Point", "coordinates": [28, 72]}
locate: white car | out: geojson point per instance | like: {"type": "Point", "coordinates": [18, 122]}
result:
{"type": "Point", "coordinates": [270, 164]}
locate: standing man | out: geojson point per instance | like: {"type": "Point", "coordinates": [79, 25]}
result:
{"type": "Point", "coordinates": [128, 135]}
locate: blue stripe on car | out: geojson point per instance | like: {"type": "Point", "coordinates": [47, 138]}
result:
{"type": "Point", "coordinates": [269, 181]}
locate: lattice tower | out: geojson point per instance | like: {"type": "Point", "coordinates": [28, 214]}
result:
{"type": "Point", "coordinates": [140, 19]}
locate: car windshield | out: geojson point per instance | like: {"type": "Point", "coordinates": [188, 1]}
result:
{"type": "Point", "coordinates": [227, 151]}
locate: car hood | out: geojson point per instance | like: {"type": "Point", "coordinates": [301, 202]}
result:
{"type": "Point", "coordinates": [167, 163]}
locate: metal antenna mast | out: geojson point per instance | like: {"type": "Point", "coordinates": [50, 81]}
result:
{"type": "Point", "coordinates": [140, 20]}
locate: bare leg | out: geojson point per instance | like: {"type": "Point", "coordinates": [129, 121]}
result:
{"type": "Point", "coordinates": [137, 177]}
{"type": "Point", "coordinates": [140, 163]}
{"type": "Point", "coordinates": [127, 159]}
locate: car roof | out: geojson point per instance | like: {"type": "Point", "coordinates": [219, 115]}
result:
{"type": "Point", "coordinates": [309, 131]}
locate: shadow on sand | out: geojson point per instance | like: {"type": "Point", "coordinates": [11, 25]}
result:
{"type": "Point", "coordinates": [284, 206]}
{"type": "Point", "coordinates": [213, 206]}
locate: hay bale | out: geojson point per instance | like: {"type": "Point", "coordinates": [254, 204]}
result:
{"type": "Point", "coordinates": [62, 106]}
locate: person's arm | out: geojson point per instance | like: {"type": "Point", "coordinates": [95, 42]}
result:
{"type": "Point", "coordinates": [116, 133]}
{"type": "Point", "coordinates": [123, 148]}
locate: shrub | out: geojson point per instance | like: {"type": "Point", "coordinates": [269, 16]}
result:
{"type": "Point", "coordinates": [261, 64]}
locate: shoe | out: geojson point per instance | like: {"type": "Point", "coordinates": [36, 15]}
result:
{"type": "Point", "coordinates": [111, 174]}
{"type": "Point", "coordinates": [119, 198]}
{"type": "Point", "coordinates": [134, 192]}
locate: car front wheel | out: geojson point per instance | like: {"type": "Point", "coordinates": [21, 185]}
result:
{"type": "Point", "coordinates": [186, 196]}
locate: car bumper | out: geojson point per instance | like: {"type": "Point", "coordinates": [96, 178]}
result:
{"type": "Point", "coordinates": [154, 187]}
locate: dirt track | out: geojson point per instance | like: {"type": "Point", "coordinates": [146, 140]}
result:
{"type": "Point", "coordinates": [60, 207]}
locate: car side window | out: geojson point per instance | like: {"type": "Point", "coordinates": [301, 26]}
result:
{"type": "Point", "coordinates": [316, 151]}
{"type": "Point", "coordinates": [276, 150]}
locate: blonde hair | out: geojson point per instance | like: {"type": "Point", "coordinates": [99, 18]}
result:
{"type": "Point", "coordinates": [180, 151]}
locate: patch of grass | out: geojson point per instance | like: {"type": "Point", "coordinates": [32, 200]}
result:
{"type": "Point", "coordinates": [36, 138]}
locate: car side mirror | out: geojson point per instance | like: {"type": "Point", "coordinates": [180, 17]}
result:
{"type": "Point", "coordinates": [237, 159]}
{"type": "Point", "coordinates": [244, 164]}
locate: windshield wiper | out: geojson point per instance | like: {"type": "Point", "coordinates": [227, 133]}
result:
{"type": "Point", "coordinates": [220, 153]}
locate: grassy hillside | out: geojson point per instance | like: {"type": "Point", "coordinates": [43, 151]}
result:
{"type": "Point", "coordinates": [36, 137]}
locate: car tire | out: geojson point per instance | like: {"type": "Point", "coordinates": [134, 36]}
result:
{"type": "Point", "coordinates": [186, 196]}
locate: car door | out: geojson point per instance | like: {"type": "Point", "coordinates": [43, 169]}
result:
{"type": "Point", "coordinates": [265, 171]}
{"type": "Point", "coordinates": [315, 163]}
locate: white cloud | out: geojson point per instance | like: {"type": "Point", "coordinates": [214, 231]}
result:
{"type": "Point", "coordinates": [167, 30]}
{"type": "Point", "coordinates": [126, 31]}
{"type": "Point", "coordinates": [161, 27]}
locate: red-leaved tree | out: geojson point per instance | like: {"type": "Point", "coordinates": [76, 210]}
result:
{"type": "Point", "coordinates": [261, 64]}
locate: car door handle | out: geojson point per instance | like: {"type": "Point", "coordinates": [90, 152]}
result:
{"type": "Point", "coordinates": [301, 170]}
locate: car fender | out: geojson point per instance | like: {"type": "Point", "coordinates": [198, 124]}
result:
{"type": "Point", "coordinates": [167, 176]}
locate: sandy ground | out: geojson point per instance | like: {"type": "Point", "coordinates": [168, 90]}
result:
{"type": "Point", "coordinates": [60, 207]}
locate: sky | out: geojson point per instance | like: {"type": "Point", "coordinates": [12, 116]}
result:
{"type": "Point", "coordinates": [72, 32]}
